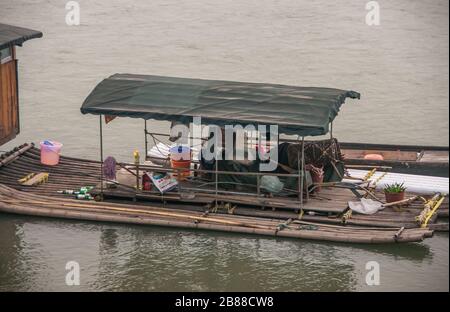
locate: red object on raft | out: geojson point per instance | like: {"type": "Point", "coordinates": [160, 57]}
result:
{"type": "Point", "coordinates": [374, 157]}
{"type": "Point", "coordinates": [181, 164]}
{"type": "Point", "coordinates": [146, 182]}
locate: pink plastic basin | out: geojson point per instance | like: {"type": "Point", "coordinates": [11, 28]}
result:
{"type": "Point", "coordinates": [374, 157]}
{"type": "Point", "coordinates": [50, 153]}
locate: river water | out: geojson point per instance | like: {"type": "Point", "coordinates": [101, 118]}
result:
{"type": "Point", "coordinates": [400, 67]}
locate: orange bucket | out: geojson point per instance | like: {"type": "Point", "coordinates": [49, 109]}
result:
{"type": "Point", "coordinates": [181, 164]}
{"type": "Point", "coordinates": [373, 157]}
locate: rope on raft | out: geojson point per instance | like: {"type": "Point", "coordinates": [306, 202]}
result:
{"type": "Point", "coordinates": [431, 206]}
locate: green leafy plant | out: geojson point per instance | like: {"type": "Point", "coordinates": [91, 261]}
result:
{"type": "Point", "coordinates": [394, 188]}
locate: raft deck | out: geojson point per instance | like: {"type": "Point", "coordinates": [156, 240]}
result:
{"type": "Point", "coordinates": [326, 217]}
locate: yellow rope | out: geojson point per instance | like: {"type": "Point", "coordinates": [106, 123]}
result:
{"type": "Point", "coordinates": [379, 179]}
{"type": "Point", "coordinates": [427, 207]}
{"type": "Point", "coordinates": [431, 213]}
{"type": "Point", "coordinates": [42, 179]}
{"type": "Point", "coordinates": [369, 174]}
{"type": "Point", "coordinates": [372, 186]}
{"type": "Point", "coordinates": [26, 178]}
{"type": "Point", "coordinates": [347, 215]}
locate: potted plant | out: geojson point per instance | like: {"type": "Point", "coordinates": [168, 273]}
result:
{"type": "Point", "coordinates": [394, 192]}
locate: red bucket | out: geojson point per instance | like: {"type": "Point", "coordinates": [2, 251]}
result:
{"type": "Point", "coordinates": [181, 164]}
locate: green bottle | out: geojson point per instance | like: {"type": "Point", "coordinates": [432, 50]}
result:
{"type": "Point", "coordinates": [85, 189]}
{"type": "Point", "coordinates": [84, 196]}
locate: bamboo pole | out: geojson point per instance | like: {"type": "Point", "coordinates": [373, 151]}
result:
{"type": "Point", "coordinates": [14, 155]}
{"type": "Point", "coordinates": [401, 202]}
{"type": "Point", "coordinates": [101, 155]}
{"type": "Point", "coordinates": [304, 234]}
{"type": "Point", "coordinates": [166, 214]}
{"type": "Point", "coordinates": [78, 169]}
{"type": "Point", "coordinates": [341, 229]}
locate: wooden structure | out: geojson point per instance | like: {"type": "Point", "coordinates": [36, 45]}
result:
{"type": "Point", "coordinates": [308, 111]}
{"type": "Point", "coordinates": [10, 37]}
{"type": "Point", "coordinates": [326, 217]}
{"type": "Point", "coordinates": [202, 201]}
{"type": "Point", "coordinates": [410, 159]}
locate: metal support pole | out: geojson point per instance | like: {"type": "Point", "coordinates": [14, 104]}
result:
{"type": "Point", "coordinates": [302, 171]}
{"type": "Point", "coordinates": [331, 130]}
{"type": "Point", "coordinates": [137, 177]}
{"type": "Point", "coordinates": [217, 178]}
{"type": "Point", "coordinates": [299, 183]}
{"type": "Point", "coordinates": [101, 157]}
{"type": "Point", "coordinates": [258, 178]}
{"type": "Point", "coordinates": [258, 186]}
{"type": "Point", "coordinates": [146, 141]}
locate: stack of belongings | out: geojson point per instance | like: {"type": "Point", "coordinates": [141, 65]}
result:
{"type": "Point", "coordinates": [323, 162]}
{"type": "Point", "coordinates": [322, 157]}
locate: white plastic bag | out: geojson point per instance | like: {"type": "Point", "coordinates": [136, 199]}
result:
{"type": "Point", "coordinates": [365, 206]}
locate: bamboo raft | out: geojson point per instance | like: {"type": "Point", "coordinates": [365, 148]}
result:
{"type": "Point", "coordinates": [325, 218]}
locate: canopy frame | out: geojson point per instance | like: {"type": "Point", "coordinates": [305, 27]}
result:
{"type": "Point", "coordinates": [148, 97]}
{"type": "Point", "coordinates": [300, 174]}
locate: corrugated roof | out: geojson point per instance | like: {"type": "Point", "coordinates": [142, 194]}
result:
{"type": "Point", "coordinates": [12, 35]}
{"type": "Point", "coordinates": [296, 110]}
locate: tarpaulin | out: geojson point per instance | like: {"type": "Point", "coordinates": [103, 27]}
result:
{"type": "Point", "coordinates": [12, 35]}
{"type": "Point", "coordinates": [296, 110]}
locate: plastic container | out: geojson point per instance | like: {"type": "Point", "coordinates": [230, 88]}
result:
{"type": "Point", "coordinates": [393, 197]}
{"type": "Point", "coordinates": [181, 164]}
{"type": "Point", "coordinates": [50, 152]}
{"type": "Point", "coordinates": [271, 184]}
{"type": "Point", "coordinates": [373, 157]}
{"type": "Point", "coordinates": [180, 158]}
{"type": "Point", "coordinates": [180, 153]}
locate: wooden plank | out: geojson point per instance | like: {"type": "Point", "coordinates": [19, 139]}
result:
{"type": "Point", "coordinates": [203, 198]}
{"type": "Point", "coordinates": [3, 130]}
{"type": "Point", "coordinates": [19, 202]}
{"type": "Point", "coordinates": [14, 99]}
{"type": "Point", "coordinates": [74, 173]}
{"type": "Point", "coordinates": [391, 147]}
{"type": "Point", "coordinates": [8, 102]}
{"type": "Point", "coordinates": [387, 155]}
{"type": "Point", "coordinates": [435, 156]}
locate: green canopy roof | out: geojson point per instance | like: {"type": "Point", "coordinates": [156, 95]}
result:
{"type": "Point", "coordinates": [296, 110]}
{"type": "Point", "coordinates": [13, 35]}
